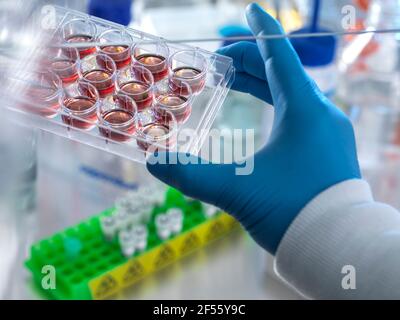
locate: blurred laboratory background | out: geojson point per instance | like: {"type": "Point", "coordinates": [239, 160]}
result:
{"type": "Point", "coordinates": [49, 183]}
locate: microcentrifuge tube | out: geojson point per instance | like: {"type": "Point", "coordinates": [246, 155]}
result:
{"type": "Point", "coordinates": [140, 234]}
{"type": "Point", "coordinates": [135, 217]}
{"type": "Point", "coordinates": [175, 220]}
{"type": "Point", "coordinates": [156, 198]}
{"type": "Point", "coordinates": [163, 227]}
{"type": "Point", "coordinates": [146, 212]}
{"type": "Point", "coordinates": [153, 195]}
{"type": "Point", "coordinates": [146, 207]}
{"type": "Point", "coordinates": [130, 198]}
{"type": "Point", "coordinates": [132, 207]}
{"type": "Point", "coordinates": [123, 203]}
{"type": "Point", "coordinates": [210, 211]}
{"type": "Point", "coordinates": [121, 218]}
{"type": "Point", "coordinates": [134, 214]}
{"type": "Point", "coordinates": [108, 227]}
{"type": "Point", "coordinates": [126, 242]}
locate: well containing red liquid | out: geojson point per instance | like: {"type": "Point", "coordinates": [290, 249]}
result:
{"type": "Point", "coordinates": [140, 92]}
{"type": "Point", "coordinates": [66, 69]}
{"type": "Point", "coordinates": [42, 95]}
{"type": "Point", "coordinates": [82, 38]}
{"type": "Point", "coordinates": [155, 133]}
{"type": "Point", "coordinates": [192, 76]}
{"type": "Point", "coordinates": [117, 120]}
{"type": "Point", "coordinates": [83, 108]}
{"type": "Point", "coordinates": [102, 80]}
{"type": "Point", "coordinates": [156, 64]}
{"type": "Point", "coordinates": [40, 101]}
{"type": "Point", "coordinates": [120, 54]}
{"type": "Point", "coordinates": [178, 105]}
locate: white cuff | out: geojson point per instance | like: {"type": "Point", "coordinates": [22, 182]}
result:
{"type": "Point", "coordinates": [341, 226]}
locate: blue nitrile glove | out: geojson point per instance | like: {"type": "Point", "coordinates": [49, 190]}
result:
{"type": "Point", "coordinates": [311, 148]}
{"type": "Point", "coordinates": [118, 11]}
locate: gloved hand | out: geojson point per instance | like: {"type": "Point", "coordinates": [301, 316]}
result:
{"type": "Point", "coordinates": [311, 147]}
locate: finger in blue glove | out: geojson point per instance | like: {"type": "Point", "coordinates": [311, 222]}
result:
{"type": "Point", "coordinates": [311, 148]}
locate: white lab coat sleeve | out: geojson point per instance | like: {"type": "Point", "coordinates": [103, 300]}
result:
{"type": "Point", "coordinates": [343, 245]}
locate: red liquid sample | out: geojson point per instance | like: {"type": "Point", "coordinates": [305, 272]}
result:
{"type": "Point", "coordinates": [140, 92]}
{"type": "Point", "coordinates": [102, 80]}
{"type": "Point", "coordinates": [156, 64]}
{"type": "Point", "coordinates": [79, 38]}
{"type": "Point", "coordinates": [38, 101]}
{"type": "Point", "coordinates": [66, 70]}
{"type": "Point", "coordinates": [77, 106]}
{"type": "Point", "coordinates": [155, 133]}
{"type": "Point", "coordinates": [120, 54]}
{"type": "Point", "coordinates": [188, 75]}
{"type": "Point", "coordinates": [121, 120]}
{"type": "Point", "coordinates": [174, 104]}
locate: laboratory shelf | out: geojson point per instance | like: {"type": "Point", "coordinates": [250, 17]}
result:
{"type": "Point", "coordinates": [97, 269]}
{"type": "Point", "coordinates": [188, 136]}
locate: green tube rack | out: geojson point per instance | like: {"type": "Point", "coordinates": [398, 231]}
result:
{"type": "Point", "coordinates": [98, 270]}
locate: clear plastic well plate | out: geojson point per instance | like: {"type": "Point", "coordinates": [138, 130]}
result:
{"type": "Point", "coordinates": [188, 87]}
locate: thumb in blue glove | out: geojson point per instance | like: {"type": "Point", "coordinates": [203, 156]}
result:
{"type": "Point", "coordinates": [311, 147]}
